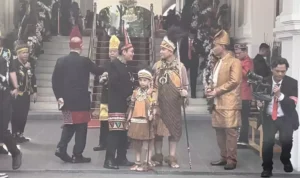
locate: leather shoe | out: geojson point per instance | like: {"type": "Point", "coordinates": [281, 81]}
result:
{"type": "Point", "coordinates": [81, 159]}
{"type": "Point", "coordinates": [288, 168]}
{"type": "Point", "coordinates": [3, 151]}
{"type": "Point", "coordinates": [231, 166]}
{"type": "Point", "coordinates": [63, 156]}
{"type": "Point", "coordinates": [109, 164]}
{"type": "Point", "coordinates": [220, 162]}
{"type": "Point", "coordinates": [125, 163]}
{"type": "Point", "coordinates": [17, 161]}
{"type": "Point", "coordinates": [266, 173]}
{"type": "Point", "coordinates": [99, 148]}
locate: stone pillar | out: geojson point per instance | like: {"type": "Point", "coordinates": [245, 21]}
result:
{"type": "Point", "coordinates": [287, 30]}
{"type": "Point", "coordinates": [257, 25]}
{"type": "Point", "coordinates": [178, 6]}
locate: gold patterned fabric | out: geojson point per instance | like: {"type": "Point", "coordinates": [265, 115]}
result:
{"type": "Point", "coordinates": [114, 42]}
{"type": "Point", "coordinates": [228, 88]}
{"type": "Point", "coordinates": [103, 116]}
{"type": "Point", "coordinates": [222, 38]}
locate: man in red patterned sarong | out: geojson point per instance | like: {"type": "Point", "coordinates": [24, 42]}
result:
{"type": "Point", "coordinates": [70, 83]}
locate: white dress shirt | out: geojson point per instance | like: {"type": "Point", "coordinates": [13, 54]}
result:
{"type": "Point", "coordinates": [270, 106]}
{"type": "Point", "coordinates": [216, 74]}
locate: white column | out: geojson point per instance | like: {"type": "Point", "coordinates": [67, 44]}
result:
{"type": "Point", "coordinates": [178, 8]}
{"type": "Point", "coordinates": [287, 30]}
{"type": "Point", "coordinates": [255, 30]}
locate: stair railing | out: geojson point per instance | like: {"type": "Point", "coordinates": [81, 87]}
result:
{"type": "Point", "coordinates": [152, 38]}
{"type": "Point", "coordinates": [93, 44]}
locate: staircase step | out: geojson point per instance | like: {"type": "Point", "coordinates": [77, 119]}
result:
{"type": "Point", "coordinates": [45, 70]}
{"type": "Point", "coordinates": [46, 91]}
{"type": "Point", "coordinates": [196, 110]}
{"type": "Point", "coordinates": [61, 45]}
{"type": "Point", "coordinates": [44, 106]}
{"type": "Point", "coordinates": [43, 76]}
{"type": "Point", "coordinates": [45, 98]}
{"type": "Point", "coordinates": [45, 63]}
{"type": "Point", "coordinates": [197, 102]}
{"type": "Point", "coordinates": [62, 52]}
{"type": "Point", "coordinates": [44, 83]}
{"type": "Point", "coordinates": [56, 39]}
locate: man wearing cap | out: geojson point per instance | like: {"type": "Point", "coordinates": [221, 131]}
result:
{"type": "Point", "coordinates": [114, 44]}
{"type": "Point", "coordinates": [8, 90]}
{"type": "Point", "coordinates": [120, 88]}
{"type": "Point", "coordinates": [70, 82]}
{"type": "Point", "coordinates": [226, 115]}
{"type": "Point", "coordinates": [27, 87]}
{"type": "Point", "coordinates": [241, 52]}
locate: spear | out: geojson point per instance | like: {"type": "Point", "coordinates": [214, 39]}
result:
{"type": "Point", "coordinates": [183, 107]}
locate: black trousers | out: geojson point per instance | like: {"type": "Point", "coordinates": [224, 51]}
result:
{"type": "Point", "coordinates": [192, 65]}
{"type": "Point", "coordinates": [270, 127]}
{"type": "Point", "coordinates": [116, 142]}
{"type": "Point", "coordinates": [20, 113]}
{"type": "Point", "coordinates": [68, 131]}
{"type": "Point", "coordinates": [245, 121]}
{"type": "Point", "coordinates": [103, 133]}
{"type": "Point", "coordinates": [5, 116]}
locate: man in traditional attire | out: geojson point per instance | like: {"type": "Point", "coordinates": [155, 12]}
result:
{"type": "Point", "coordinates": [241, 52]}
{"type": "Point", "coordinates": [114, 44]}
{"type": "Point", "coordinates": [170, 84]}
{"type": "Point", "coordinates": [226, 114]}
{"type": "Point", "coordinates": [70, 82]}
{"type": "Point", "coordinates": [120, 87]}
{"type": "Point", "coordinates": [27, 87]}
{"type": "Point", "coordinates": [8, 90]}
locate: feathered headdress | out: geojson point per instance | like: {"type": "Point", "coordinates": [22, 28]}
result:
{"type": "Point", "coordinates": [127, 44]}
{"type": "Point", "coordinates": [174, 35]}
{"type": "Point", "coordinates": [75, 44]}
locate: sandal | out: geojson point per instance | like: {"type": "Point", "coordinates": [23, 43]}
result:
{"type": "Point", "coordinates": [172, 162]}
{"type": "Point", "coordinates": [135, 166]}
{"type": "Point", "coordinates": [144, 168]}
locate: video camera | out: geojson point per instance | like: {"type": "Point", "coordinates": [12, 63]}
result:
{"type": "Point", "coordinates": [260, 93]}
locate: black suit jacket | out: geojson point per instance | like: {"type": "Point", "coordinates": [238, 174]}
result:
{"type": "Point", "coordinates": [184, 49]}
{"type": "Point", "coordinates": [289, 87]}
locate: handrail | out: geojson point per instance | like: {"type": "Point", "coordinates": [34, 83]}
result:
{"type": "Point", "coordinates": [93, 34]}
{"type": "Point", "coordinates": [153, 52]}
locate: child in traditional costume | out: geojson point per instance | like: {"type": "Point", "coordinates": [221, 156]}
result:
{"type": "Point", "coordinates": [140, 130]}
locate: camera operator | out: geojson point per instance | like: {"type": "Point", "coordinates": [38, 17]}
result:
{"type": "Point", "coordinates": [260, 65]}
{"type": "Point", "coordinates": [8, 90]}
{"type": "Point", "coordinates": [279, 115]}
{"type": "Point", "coordinates": [241, 52]}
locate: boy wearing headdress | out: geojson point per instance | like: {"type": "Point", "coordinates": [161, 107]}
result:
{"type": "Point", "coordinates": [226, 114]}
{"type": "Point", "coordinates": [27, 87]}
{"type": "Point", "coordinates": [140, 118]}
{"type": "Point", "coordinates": [120, 87]}
{"type": "Point", "coordinates": [114, 44]}
{"type": "Point", "coordinates": [171, 86]}
{"type": "Point", "coordinates": [70, 81]}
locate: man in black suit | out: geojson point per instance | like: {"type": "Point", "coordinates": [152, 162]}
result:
{"type": "Point", "coordinates": [260, 66]}
{"type": "Point", "coordinates": [279, 115]}
{"type": "Point", "coordinates": [189, 56]}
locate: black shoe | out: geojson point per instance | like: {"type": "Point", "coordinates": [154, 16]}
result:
{"type": "Point", "coordinates": [125, 163]}
{"type": "Point", "coordinates": [231, 166]}
{"type": "Point", "coordinates": [99, 148]}
{"type": "Point", "coordinates": [288, 168]}
{"type": "Point", "coordinates": [63, 156]}
{"type": "Point", "coordinates": [193, 96]}
{"type": "Point", "coordinates": [81, 159]}
{"type": "Point", "coordinates": [109, 164]}
{"type": "Point", "coordinates": [221, 162]}
{"type": "Point", "coordinates": [3, 151]}
{"type": "Point", "coordinates": [19, 138]}
{"type": "Point", "coordinates": [17, 161]}
{"type": "Point", "coordinates": [266, 173]}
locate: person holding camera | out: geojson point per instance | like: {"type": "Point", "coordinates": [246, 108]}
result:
{"type": "Point", "coordinates": [27, 87]}
{"type": "Point", "coordinates": [279, 115]}
{"type": "Point", "coordinates": [241, 52]}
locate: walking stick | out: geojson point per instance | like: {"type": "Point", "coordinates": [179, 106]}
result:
{"type": "Point", "coordinates": [183, 106]}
